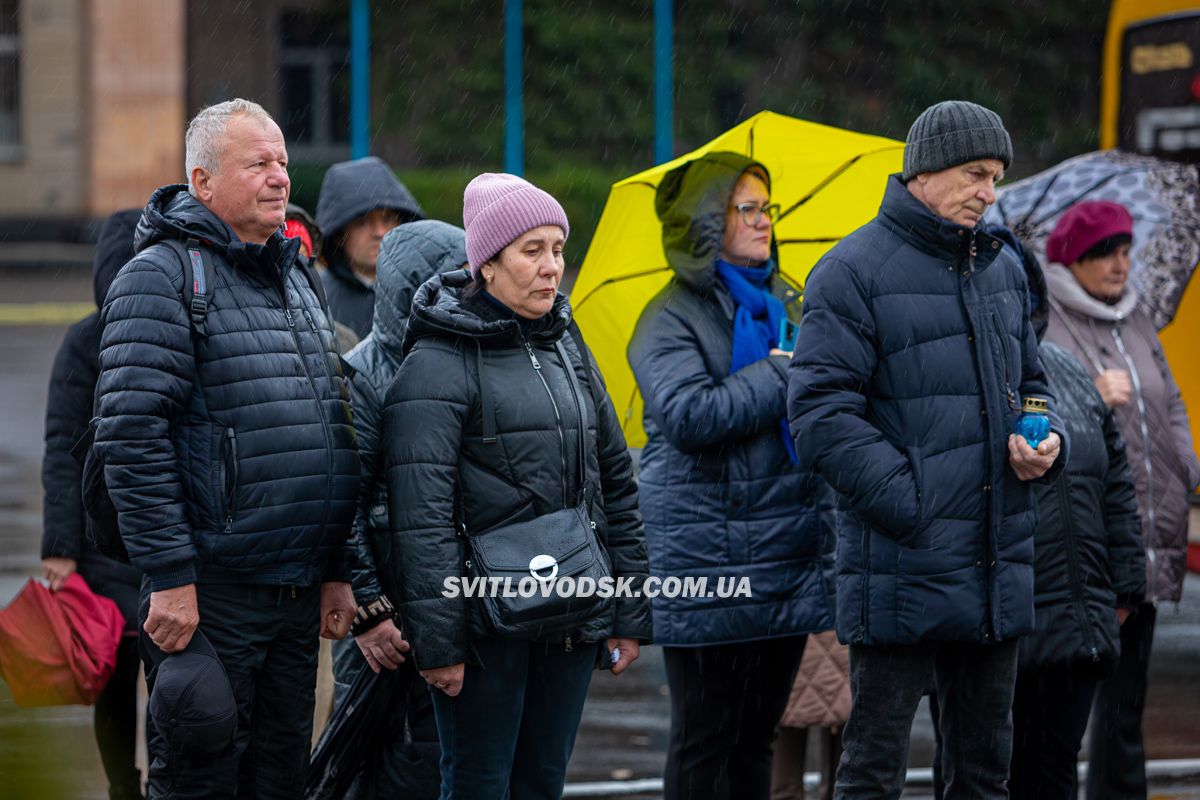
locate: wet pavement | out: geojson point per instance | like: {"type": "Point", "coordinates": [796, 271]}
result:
{"type": "Point", "coordinates": [50, 753]}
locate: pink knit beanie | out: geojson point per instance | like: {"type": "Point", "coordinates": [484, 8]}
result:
{"type": "Point", "coordinates": [498, 208]}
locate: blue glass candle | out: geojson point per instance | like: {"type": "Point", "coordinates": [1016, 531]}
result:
{"type": "Point", "coordinates": [1033, 423]}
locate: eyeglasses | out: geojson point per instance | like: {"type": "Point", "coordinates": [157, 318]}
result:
{"type": "Point", "coordinates": [752, 213]}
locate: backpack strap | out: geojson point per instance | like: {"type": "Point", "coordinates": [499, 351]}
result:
{"type": "Point", "coordinates": [198, 280]}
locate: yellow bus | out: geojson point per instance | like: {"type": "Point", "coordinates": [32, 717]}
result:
{"type": "Point", "coordinates": [1150, 103]}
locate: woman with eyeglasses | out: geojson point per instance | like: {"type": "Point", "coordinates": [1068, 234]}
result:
{"type": "Point", "coordinates": [721, 493]}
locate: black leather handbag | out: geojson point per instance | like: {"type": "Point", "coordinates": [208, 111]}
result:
{"type": "Point", "coordinates": [537, 555]}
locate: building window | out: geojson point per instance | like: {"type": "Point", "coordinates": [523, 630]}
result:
{"type": "Point", "coordinates": [10, 82]}
{"type": "Point", "coordinates": [314, 86]}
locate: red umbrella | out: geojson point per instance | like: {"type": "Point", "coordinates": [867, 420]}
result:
{"type": "Point", "coordinates": [59, 648]}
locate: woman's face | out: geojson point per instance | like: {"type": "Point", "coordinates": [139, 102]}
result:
{"type": "Point", "coordinates": [1104, 277]}
{"type": "Point", "coordinates": [747, 244]}
{"type": "Point", "coordinates": [525, 275]}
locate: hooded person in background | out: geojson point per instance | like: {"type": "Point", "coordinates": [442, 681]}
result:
{"type": "Point", "coordinates": [1097, 317]}
{"type": "Point", "coordinates": [360, 202]}
{"type": "Point", "coordinates": [400, 765]}
{"type": "Point", "coordinates": [65, 546]}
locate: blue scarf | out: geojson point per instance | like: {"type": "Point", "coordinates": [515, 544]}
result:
{"type": "Point", "coordinates": [755, 323]}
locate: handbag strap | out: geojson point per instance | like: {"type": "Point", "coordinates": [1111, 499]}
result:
{"type": "Point", "coordinates": [581, 408]}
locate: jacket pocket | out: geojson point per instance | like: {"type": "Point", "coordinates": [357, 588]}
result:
{"type": "Point", "coordinates": [1004, 366]}
{"type": "Point", "coordinates": [229, 477]}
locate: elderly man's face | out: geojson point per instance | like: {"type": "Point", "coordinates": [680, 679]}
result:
{"type": "Point", "coordinates": [250, 188]}
{"type": "Point", "coordinates": [960, 194]}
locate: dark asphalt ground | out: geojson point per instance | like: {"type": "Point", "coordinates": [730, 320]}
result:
{"type": "Point", "coordinates": [49, 753]}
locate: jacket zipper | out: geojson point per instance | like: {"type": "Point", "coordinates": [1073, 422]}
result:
{"type": "Point", "coordinates": [1141, 407]}
{"type": "Point", "coordinates": [1006, 367]}
{"type": "Point", "coordinates": [229, 468]}
{"type": "Point", "coordinates": [1073, 568]}
{"type": "Point", "coordinates": [312, 325]}
{"type": "Point", "coordinates": [291, 321]}
{"type": "Point", "coordinates": [562, 437]}
{"type": "Point", "coordinates": [991, 634]}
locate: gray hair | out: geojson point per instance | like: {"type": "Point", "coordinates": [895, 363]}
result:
{"type": "Point", "coordinates": [206, 134]}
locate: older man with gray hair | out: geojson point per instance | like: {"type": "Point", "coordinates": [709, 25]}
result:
{"type": "Point", "coordinates": [914, 357]}
{"type": "Point", "coordinates": [225, 431]}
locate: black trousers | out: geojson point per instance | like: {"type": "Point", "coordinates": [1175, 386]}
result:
{"type": "Point", "coordinates": [1116, 754]}
{"type": "Point", "coordinates": [267, 640]}
{"type": "Point", "coordinates": [115, 725]}
{"type": "Point", "coordinates": [1051, 707]}
{"type": "Point", "coordinates": [726, 702]}
{"type": "Point", "coordinates": [974, 685]}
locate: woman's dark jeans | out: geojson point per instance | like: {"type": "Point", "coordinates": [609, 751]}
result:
{"type": "Point", "coordinates": [508, 734]}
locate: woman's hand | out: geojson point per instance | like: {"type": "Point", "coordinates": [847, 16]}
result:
{"type": "Point", "coordinates": [775, 351]}
{"type": "Point", "coordinates": [57, 570]}
{"type": "Point", "coordinates": [628, 649]}
{"type": "Point", "coordinates": [448, 679]}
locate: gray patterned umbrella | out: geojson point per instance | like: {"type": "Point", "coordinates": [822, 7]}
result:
{"type": "Point", "coordinates": [1162, 196]}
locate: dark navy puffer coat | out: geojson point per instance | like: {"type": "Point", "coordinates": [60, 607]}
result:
{"type": "Point", "coordinates": [1088, 544]}
{"type": "Point", "coordinates": [721, 498]}
{"type": "Point", "coordinates": [230, 455]}
{"type": "Point", "coordinates": [68, 412]}
{"type": "Point", "coordinates": [410, 255]}
{"type": "Point", "coordinates": [914, 354]}
{"type": "Point", "coordinates": [434, 453]}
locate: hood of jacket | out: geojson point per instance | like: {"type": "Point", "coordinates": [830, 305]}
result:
{"type": "Point", "coordinates": [1068, 291]}
{"type": "Point", "coordinates": [440, 309]}
{"type": "Point", "coordinates": [172, 213]}
{"type": "Point", "coordinates": [351, 189]}
{"type": "Point", "coordinates": [690, 202]}
{"type": "Point", "coordinates": [114, 249]}
{"type": "Point", "coordinates": [410, 255]}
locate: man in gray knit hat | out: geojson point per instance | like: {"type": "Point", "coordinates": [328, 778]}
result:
{"type": "Point", "coordinates": [914, 354]}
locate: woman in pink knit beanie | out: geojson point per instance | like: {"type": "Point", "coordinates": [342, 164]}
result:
{"type": "Point", "coordinates": [496, 417]}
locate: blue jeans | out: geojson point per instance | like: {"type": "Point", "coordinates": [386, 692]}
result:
{"type": "Point", "coordinates": [509, 733]}
{"type": "Point", "coordinates": [974, 685]}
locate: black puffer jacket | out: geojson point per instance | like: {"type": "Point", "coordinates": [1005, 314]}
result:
{"type": "Point", "coordinates": [1087, 544]}
{"type": "Point", "coordinates": [409, 256]}
{"type": "Point", "coordinates": [350, 190]}
{"type": "Point", "coordinates": [68, 411]}
{"type": "Point", "coordinates": [230, 455]}
{"type": "Point", "coordinates": [432, 430]}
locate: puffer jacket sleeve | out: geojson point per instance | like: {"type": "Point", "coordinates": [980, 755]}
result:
{"type": "Point", "coordinates": [68, 410]}
{"type": "Point", "coordinates": [694, 411]}
{"type": "Point", "coordinates": [422, 429]}
{"type": "Point", "coordinates": [366, 404]}
{"type": "Point", "coordinates": [147, 369]}
{"type": "Point", "coordinates": [1034, 384]}
{"type": "Point", "coordinates": [1122, 522]}
{"type": "Point", "coordinates": [626, 535]}
{"type": "Point", "coordinates": [832, 366]}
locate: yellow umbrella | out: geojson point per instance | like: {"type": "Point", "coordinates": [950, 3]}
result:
{"type": "Point", "coordinates": [828, 182]}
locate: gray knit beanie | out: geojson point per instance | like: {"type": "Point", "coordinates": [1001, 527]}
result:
{"type": "Point", "coordinates": [954, 132]}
